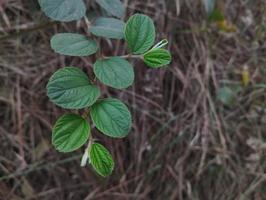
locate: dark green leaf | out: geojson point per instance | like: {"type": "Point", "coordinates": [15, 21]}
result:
{"type": "Point", "coordinates": [101, 160]}
{"type": "Point", "coordinates": [139, 33]}
{"type": "Point", "coordinates": [112, 7]}
{"type": "Point", "coordinates": [157, 58]}
{"type": "Point", "coordinates": [70, 132]}
{"type": "Point", "coordinates": [73, 44]}
{"type": "Point", "coordinates": [70, 88]}
{"type": "Point", "coordinates": [63, 10]}
{"type": "Point", "coordinates": [115, 72]}
{"type": "Point", "coordinates": [109, 28]}
{"type": "Point", "coordinates": [111, 117]}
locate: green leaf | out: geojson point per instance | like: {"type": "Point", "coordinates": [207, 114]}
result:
{"type": "Point", "coordinates": [112, 7]}
{"type": "Point", "coordinates": [115, 72]}
{"type": "Point", "coordinates": [101, 160]}
{"type": "Point", "coordinates": [111, 117]}
{"type": "Point", "coordinates": [70, 132]}
{"type": "Point", "coordinates": [157, 58]}
{"type": "Point", "coordinates": [70, 88]}
{"type": "Point", "coordinates": [108, 27]}
{"type": "Point", "coordinates": [216, 16]}
{"type": "Point", "coordinates": [226, 95]}
{"type": "Point", "coordinates": [73, 44]}
{"type": "Point", "coordinates": [139, 33]}
{"type": "Point", "coordinates": [63, 10]}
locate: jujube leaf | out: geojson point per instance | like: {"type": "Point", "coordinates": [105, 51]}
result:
{"type": "Point", "coordinates": [157, 58]}
{"type": "Point", "coordinates": [139, 33]}
{"type": "Point", "coordinates": [112, 7]}
{"type": "Point", "coordinates": [115, 72]}
{"type": "Point", "coordinates": [70, 88]}
{"type": "Point", "coordinates": [70, 132]}
{"type": "Point", "coordinates": [101, 160]}
{"type": "Point", "coordinates": [63, 10]}
{"type": "Point", "coordinates": [73, 44]}
{"type": "Point", "coordinates": [111, 117]}
{"type": "Point", "coordinates": [108, 27]}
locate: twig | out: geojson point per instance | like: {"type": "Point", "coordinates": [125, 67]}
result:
{"type": "Point", "coordinates": [126, 56]}
{"type": "Point", "coordinates": [19, 33]}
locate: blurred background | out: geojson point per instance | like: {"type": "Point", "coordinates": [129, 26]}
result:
{"type": "Point", "coordinates": [199, 124]}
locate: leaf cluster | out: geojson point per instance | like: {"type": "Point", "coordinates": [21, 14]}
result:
{"type": "Point", "coordinates": [70, 87]}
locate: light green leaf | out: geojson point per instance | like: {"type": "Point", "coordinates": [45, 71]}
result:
{"type": "Point", "coordinates": [115, 72]}
{"type": "Point", "coordinates": [226, 95]}
{"type": "Point", "coordinates": [108, 27]}
{"type": "Point", "coordinates": [63, 10]}
{"type": "Point", "coordinates": [73, 44]}
{"type": "Point", "coordinates": [70, 132]}
{"type": "Point", "coordinates": [101, 160]}
{"type": "Point", "coordinates": [111, 117]}
{"type": "Point", "coordinates": [112, 7]}
{"type": "Point", "coordinates": [157, 58]}
{"type": "Point", "coordinates": [139, 33]}
{"type": "Point", "coordinates": [70, 88]}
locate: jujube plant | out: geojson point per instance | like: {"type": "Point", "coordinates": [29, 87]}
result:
{"type": "Point", "coordinates": [70, 88]}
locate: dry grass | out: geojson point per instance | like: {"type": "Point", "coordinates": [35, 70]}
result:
{"type": "Point", "coordinates": [184, 144]}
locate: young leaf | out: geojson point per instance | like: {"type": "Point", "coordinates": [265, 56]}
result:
{"type": "Point", "coordinates": [70, 132]}
{"type": "Point", "coordinates": [101, 160]}
{"type": "Point", "coordinates": [111, 117]}
{"type": "Point", "coordinates": [112, 7]}
{"type": "Point", "coordinates": [139, 33]}
{"type": "Point", "coordinates": [63, 10]}
{"type": "Point", "coordinates": [73, 44]}
{"type": "Point", "coordinates": [160, 44]}
{"type": "Point", "coordinates": [108, 27]}
{"type": "Point", "coordinates": [115, 72]}
{"type": "Point", "coordinates": [70, 88]}
{"type": "Point", "coordinates": [157, 58]}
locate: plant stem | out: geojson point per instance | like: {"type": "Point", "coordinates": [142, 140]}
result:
{"type": "Point", "coordinates": [19, 33]}
{"type": "Point", "coordinates": [126, 56]}
{"type": "Point", "coordinates": [87, 22]}
{"type": "Point", "coordinates": [86, 113]}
